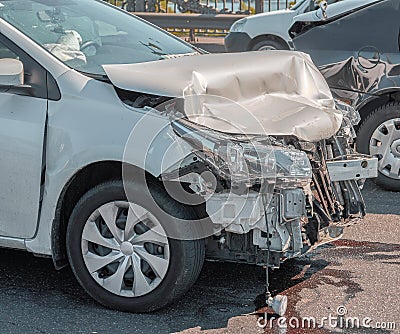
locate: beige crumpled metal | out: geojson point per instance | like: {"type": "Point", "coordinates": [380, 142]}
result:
{"type": "Point", "coordinates": [258, 93]}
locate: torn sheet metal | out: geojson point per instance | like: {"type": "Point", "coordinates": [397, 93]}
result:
{"type": "Point", "coordinates": [273, 93]}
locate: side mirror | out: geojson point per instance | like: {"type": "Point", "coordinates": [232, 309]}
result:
{"type": "Point", "coordinates": [11, 72]}
{"type": "Point", "coordinates": [12, 77]}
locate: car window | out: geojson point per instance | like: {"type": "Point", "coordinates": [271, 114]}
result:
{"type": "Point", "coordinates": [34, 74]}
{"type": "Point", "coordinates": [5, 52]}
{"type": "Point", "coordinates": [86, 34]}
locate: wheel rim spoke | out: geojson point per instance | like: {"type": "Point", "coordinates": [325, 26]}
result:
{"type": "Point", "coordinates": [385, 139]}
{"type": "Point", "coordinates": [95, 262]}
{"type": "Point", "coordinates": [387, 159]}
{"type": "Point", "coordinates": [158, 264]}
{"type": "Point", "coordinates": [135, 215]}
{"type": "Point", "coordinates": [155, 235]}
{"type": "Point", "coordinates": [140, 284]}
{"type": "Point", "coordinates": [109, 214]}
{"type": "Point", "coordinates": [395, 168]}
{"type": "Point", "coordinates": [92, 234]}
{"type": "Point", "coordinates": [115, 282]}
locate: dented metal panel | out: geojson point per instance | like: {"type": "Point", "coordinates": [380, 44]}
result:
{"type": "Point", "coordinates": [359, 60]}
{"type": "Point", "coordinates": [274, 93]}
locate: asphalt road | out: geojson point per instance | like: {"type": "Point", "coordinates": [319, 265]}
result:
{"type": "Point", "coordinates": [360, 272]}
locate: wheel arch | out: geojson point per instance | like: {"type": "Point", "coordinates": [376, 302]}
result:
{"type": "Point", "coordinates": [378, 100]}
{"type": "Point", "coordinates": [81, 182]}
{"type": "Point", "coordinates": [267, 37]}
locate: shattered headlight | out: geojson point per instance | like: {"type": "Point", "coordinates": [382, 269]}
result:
{"type": "Point", "coordinates": [292, 164]}
{"type": "Point", "coordinates": [243, 159]}
{"type": "Point", "coordinates": [238, 25]}
{"type": "Point", "coordinates": [244, 162]}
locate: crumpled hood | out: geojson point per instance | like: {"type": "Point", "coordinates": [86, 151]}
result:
{"type": "Point", "coordinates": [258, 93]}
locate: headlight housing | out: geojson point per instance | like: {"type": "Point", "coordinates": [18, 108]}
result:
{"type": "Point", "coordinates": [292, 164]}
{"type": "Point", "coordinates": [243, 159]}
{"type": "Point", "coordinates": [238, 25]}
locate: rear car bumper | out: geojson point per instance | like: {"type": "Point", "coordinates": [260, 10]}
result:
{"type": "Point", "coordinates": [237, 42]}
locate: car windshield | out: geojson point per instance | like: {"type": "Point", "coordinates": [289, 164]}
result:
{"type": "Point", "coordinates": [86, 34]}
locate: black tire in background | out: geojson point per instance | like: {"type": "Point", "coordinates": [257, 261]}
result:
{"type": "Point", "coordinates": [186, 256]}
{"type": "Point", "coordinates": [269, 44]}
{"type": "Point", "coordinates": [387, 113]}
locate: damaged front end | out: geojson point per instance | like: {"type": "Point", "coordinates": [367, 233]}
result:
{"type": "Point", "coordinates": [272, 198]}
{"type": "Point", "coordinates": [266, 154]}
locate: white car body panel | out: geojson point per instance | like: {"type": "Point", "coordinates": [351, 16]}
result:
{"type": "Point", "coordinates": [23, 121]}
{"type": "Point", "coordinates": [273, 23]}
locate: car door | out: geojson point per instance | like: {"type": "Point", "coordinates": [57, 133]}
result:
{"type": "Point", "coordinates": [22, 132]}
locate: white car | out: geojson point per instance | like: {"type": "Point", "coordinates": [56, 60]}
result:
{"type": "Point", "coordinates": [267, 31]}
{"type": "Point", "coordinates": [130, 156]}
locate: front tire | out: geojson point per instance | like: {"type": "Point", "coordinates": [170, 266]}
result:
{"type": "Point", "coordinates": [379, 135]}
{"type": "Point", "coordinates": [119, 250]}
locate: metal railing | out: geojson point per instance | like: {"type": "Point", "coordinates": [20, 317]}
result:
{"type": "Point", "coordinates": [192, 25]}
{"type": "Point", "coordinates": [191, 18]}
{"type": "Point", "coordinates": [239, 7]}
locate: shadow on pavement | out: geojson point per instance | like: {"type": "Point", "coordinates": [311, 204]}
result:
{"type": "Point", "coordinates": [380, 201]}
{"type": "Point", "coordinates": [32, 289]}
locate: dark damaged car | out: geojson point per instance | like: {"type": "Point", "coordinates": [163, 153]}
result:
{"type": "Point", "coordinates": [355, 44]}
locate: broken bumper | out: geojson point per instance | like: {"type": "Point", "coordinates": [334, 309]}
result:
{"type": "Point", "coordinates": [237, 42]}
{"type": "Point", "coordinates": [353, 168]}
